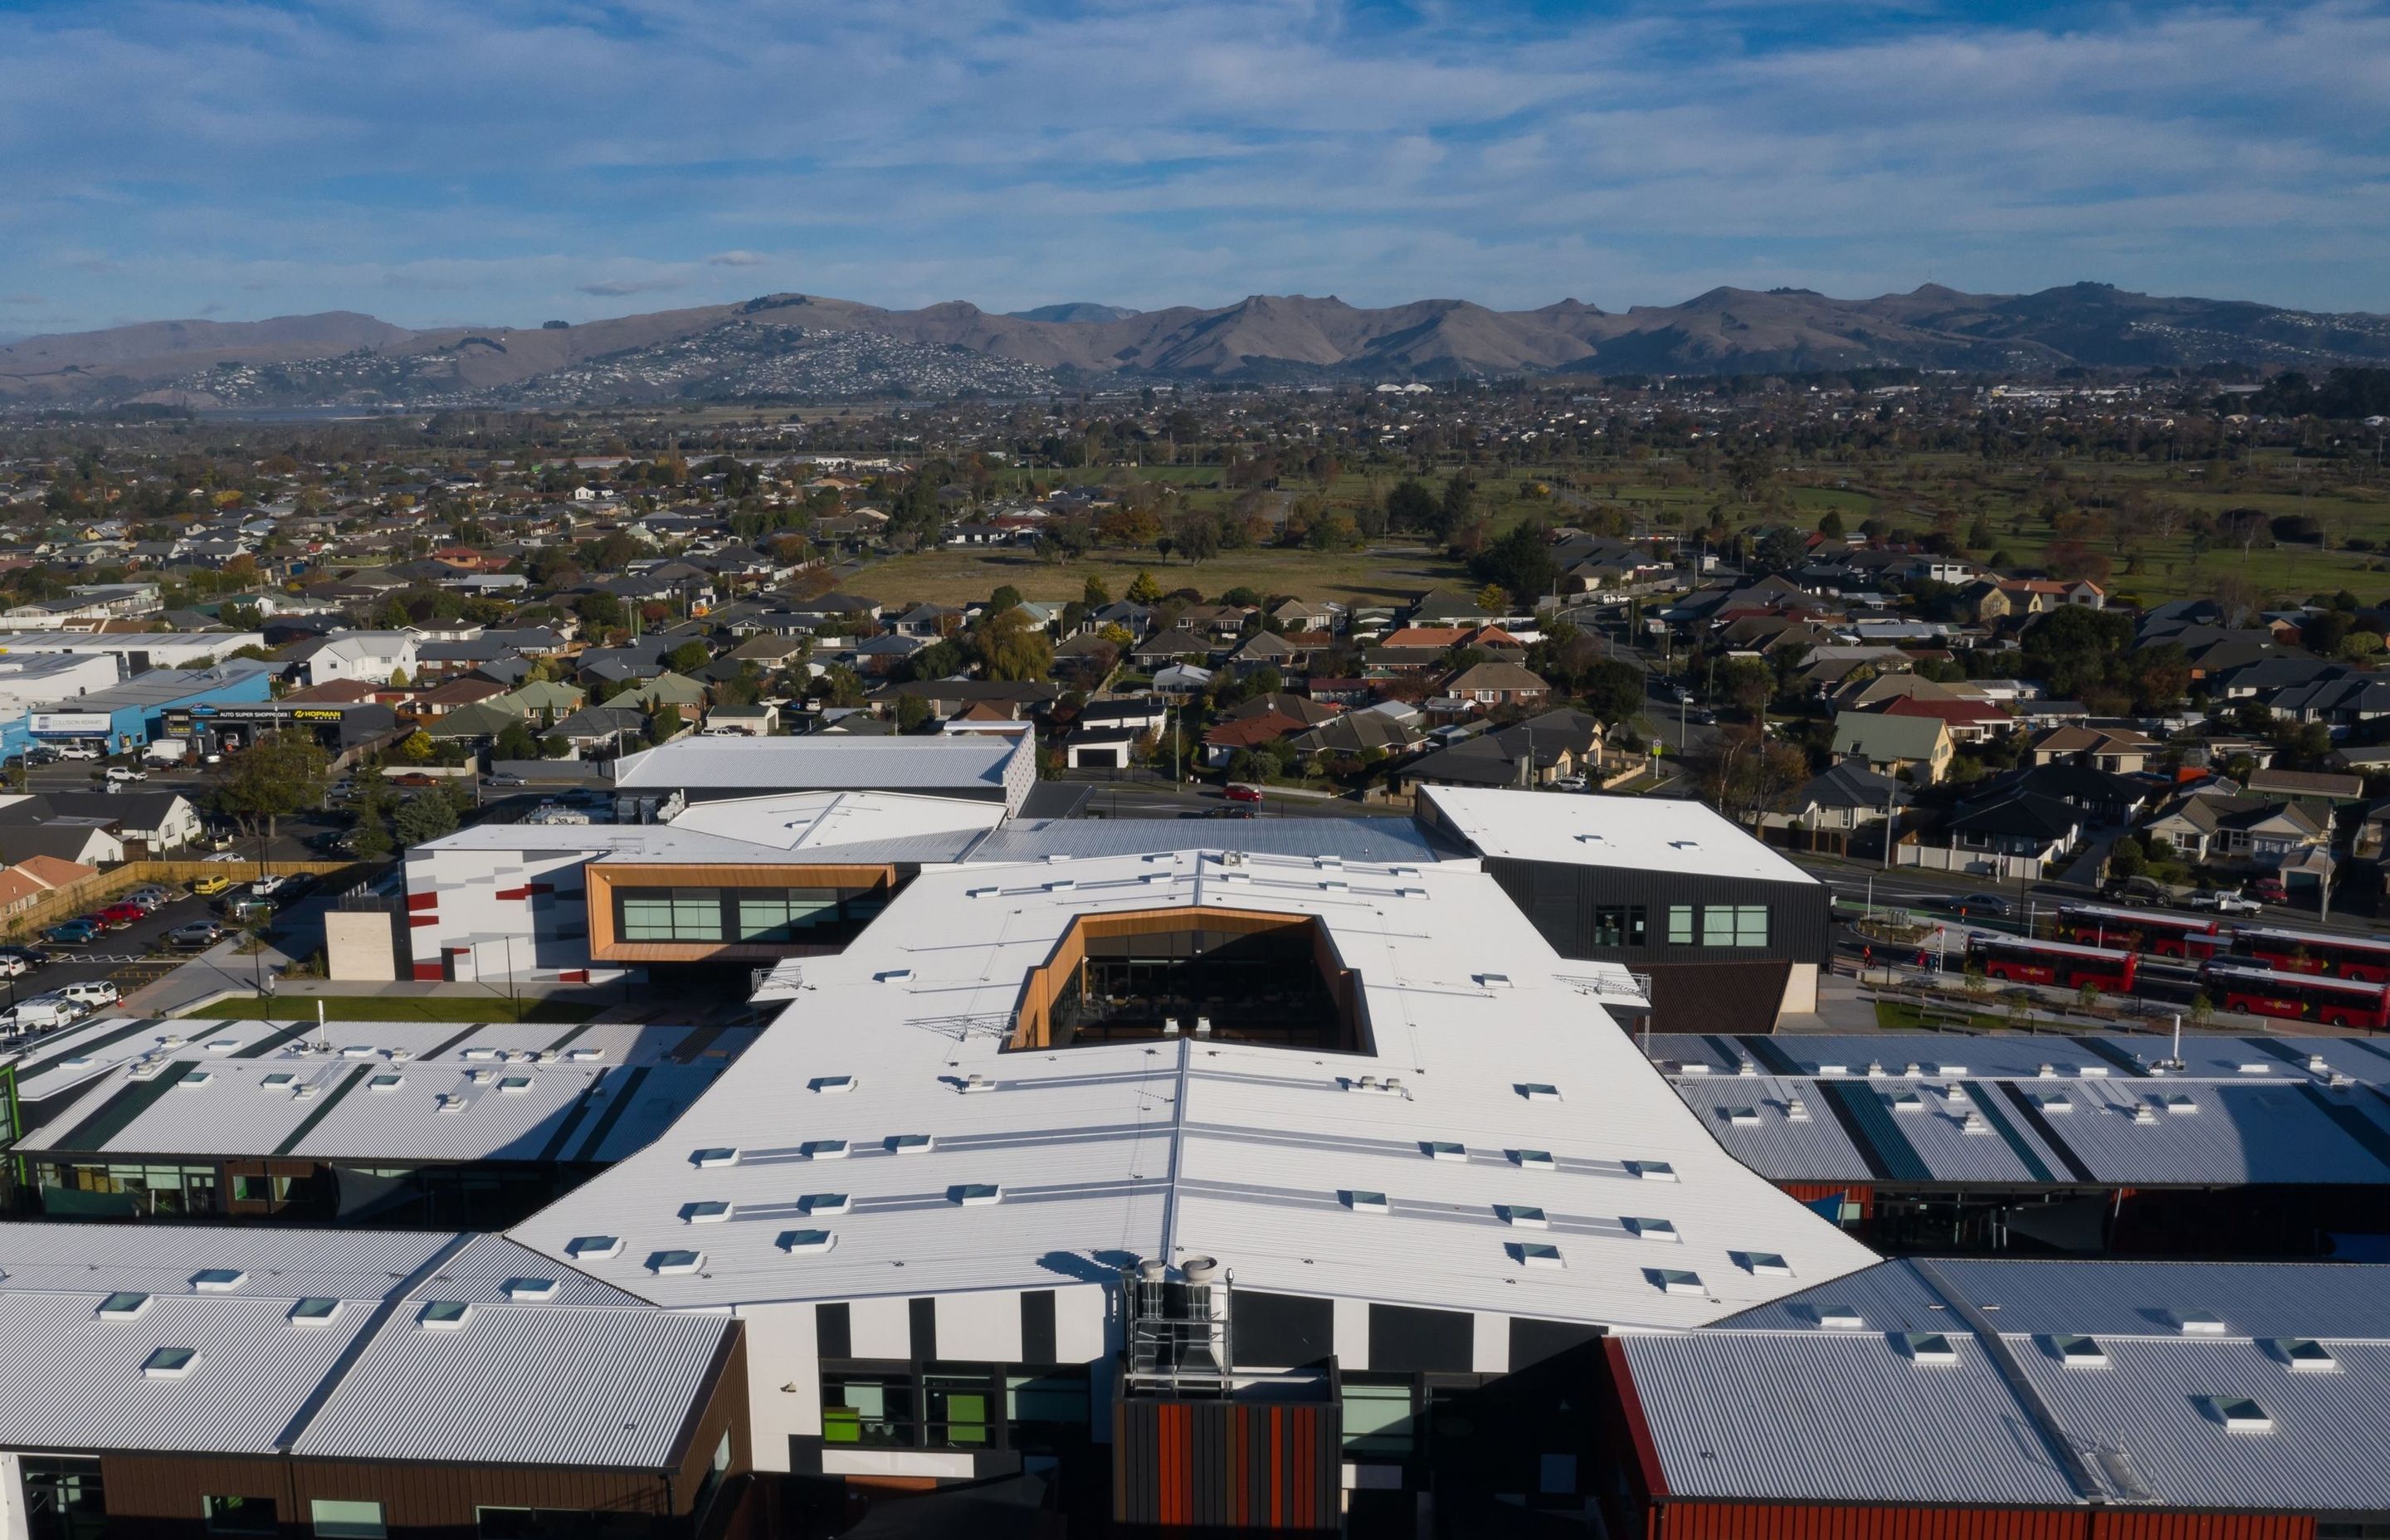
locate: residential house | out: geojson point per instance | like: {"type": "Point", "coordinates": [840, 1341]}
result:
{"type": "Point", "coordinates": [1917, 746]}
{"type": "Point", "coordinates": [2120, 751]}
{"type": "Point", "coordinates": [2008, 836]}
{"type": "Point", "coordinates": [26, 884]}
{"type": "Point", "coordinates": [1495, 683]}
{"type": "Point", "coordinates": [1969, 721]}
{"type": "Point", "coordinates": [1824, 813]}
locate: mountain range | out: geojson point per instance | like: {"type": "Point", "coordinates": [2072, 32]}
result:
{"type": "Point", "coordinates": [782, 345]}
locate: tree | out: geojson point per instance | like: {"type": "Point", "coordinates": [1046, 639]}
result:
{"type": "Point", "coordinates": [1095, 595]}
{"type": "Point", "coordinates": [424, 818]}
{"type": "Point", "coordinates": [912, 712]}
{"type": "Point", "coordinates": [689, 656]}
{"type": "Point", "coordinates": [1753, 774]}
{"type": "Point", "coordinates": [1144, 590]}
{"type": "Point", "coordinates": [416, 748]}
{"type": "Point", "coordinates": [665, 723]}
{"type": "Point", "coordinates": [1011, 647]}
{"type": "Point", "coordinates": [1459, 498]}
{"type": "Point", "coordinates": [515, 742]}
{"type": "Point", "coordinates": [1410, 507]}
{"type": "Point", "coordinates": [1613, 690]}
{"type": "Point", "coordinates": [1831, 526]}
{"type": "Point", "coordinates": [1005, 598]}
{"type": "Point", "coordinates": [1196, 536]}
{"type": "Point", "coordinates": [1781, 549]}
{"type": "Point", "coordinates": [279, 774]}
{"type": "Point", "coordinates": [1520, 563]}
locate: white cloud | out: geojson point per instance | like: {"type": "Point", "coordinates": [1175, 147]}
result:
{"type": "Point", "coordinates": [737, 259]}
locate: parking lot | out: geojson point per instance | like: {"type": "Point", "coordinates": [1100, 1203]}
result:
{"type": "Point", "coordinates": [131, 957]}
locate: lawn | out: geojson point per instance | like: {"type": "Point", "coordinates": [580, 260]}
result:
{"type": "Point", "coordinates": [393, 1008]}
{"type": "Point", "coordinates": [1380, 575]}
{"type": "Point", "coordinates": [1902, 1016]}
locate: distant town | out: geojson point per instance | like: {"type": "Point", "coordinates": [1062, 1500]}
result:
{"type": "Point", "coordinates": [1388, 957]}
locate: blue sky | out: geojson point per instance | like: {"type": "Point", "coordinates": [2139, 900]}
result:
{"type": "Point", "coordinates": [514, 161]}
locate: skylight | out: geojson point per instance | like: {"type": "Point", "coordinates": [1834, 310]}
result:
{"type": "Point", "coordinates": [2240, 1414]}
{"type": "Point", "coordinates": [1538, 1091]}
{"type": "Point", "coordinates": [1525, 1216]}
{"type": "Point", "coordinates": [443, 1314]}
{"type": "Point", "coordinates": [1841, 1317]}
{"type": "Point", "coordinates": [975, 1195]}
{"type": "Point", "coordinates": [831, 1085]}
{"type": "Point", "coordinates": [675, 1262]}
{"type": "Point", "coordinates": [1652, 1170]}
{"type": "Point", "coordinates": [1676, 1280]}
{"type": "Point", "coordinates": [194, 1080]}
{"type": "Point", "coordinates": [824, 1203]}
{"type": "Point", "coordinates": [912, 1144]}
{"type": "Point", "coordinates": [1742, 1116]}
{"type": "Point", "coordinates": [1537, 1254]}
{"type": "Point", "coordinates": [1534, 1160]}
{"type": "Point", "coordinates": [2200, 1323]}
{"type": "Point", "coordinates": [1652, 1229]}
{"type": "Point", "coordinates": [171, 1363]}
{"type": "Point", "coordinates": [1444, 1149]}
{"type": "Point", "coordinates": [1765, 1264]}
{"type": "Point", "coordinates": [513, 1085]}
{"type": "Point", "coordinates": [385, 1082]}
{"type": "Point", "coordinates": [277, 1081]}
{"type": "Point", "coordinates": [1366, 1202]}
{"type": "Point", "coordinates": [2306, 1355]}
{"type": "Point", "coordinates": [2082, 1353]}
{"type": "Point", "coordinates": [531, 1288]}
{"type": "Point", "coordinates": [315, 1312]}
{"type": "Point", "coordinates": [823, 1149]}
{"type": "Point", "coordinates": [597, 1246]}
{"type": "Point", "coordinates": [1929, 1347]}
{"type": "Point", "coordinates": [715, 1155]}
{"type": "Point", "coordinates": [712, 1210]}
{"type": "Point", "coordinates": [123, 1306]}
{"type": "Point", "coordinates": [218, 1280]}
{"type": "Point", "coordinates": [807, 1240]}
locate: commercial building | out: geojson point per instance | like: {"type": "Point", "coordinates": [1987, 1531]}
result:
{"type": "Point", "coordinates": [136, 651]}
{"type": "Point", "coordinates": [126, 717]}
{"type": "Point", "coordinates": [997, 768]}
{"type": "Point", "coordinates": [1730, 932]}
{"type": "Point", "coordinates": [2249, 1146]}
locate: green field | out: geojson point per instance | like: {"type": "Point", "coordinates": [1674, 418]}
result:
{"type": "Point", "coordinates": [1383, 576]}
{"type": "Point", "coordinates": [392, 1007]}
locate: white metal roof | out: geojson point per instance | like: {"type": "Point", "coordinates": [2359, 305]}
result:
{"type": "Point", "coordinates": [1649, 833]}
{"type": "Point", "coordinates": [808, 821]}
{"type": "Point", "coordinates": [826, 762]}
{"type": "Point", "coordinates": [1241, 1151]}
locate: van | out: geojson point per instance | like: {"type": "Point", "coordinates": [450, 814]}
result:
{"type": "Point", "coordinates": [38, 1015]}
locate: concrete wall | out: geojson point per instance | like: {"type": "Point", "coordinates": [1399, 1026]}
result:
{"type": "Point", "coordinates": [364, 944]}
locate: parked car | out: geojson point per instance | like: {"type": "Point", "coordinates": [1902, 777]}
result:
{"type": "Point", "coordinates": [100, 919]}
{"type": "Point", "coordinates": [123, 914]}
{"type": "Point", "coordinates": [14, 967]}
{"type": "Point", "coordinates": [38, 1015]}
{"type": "Point", "coordinates": [243, 907]}
{"type": "Point", "coordinates": [151, 897]}
{"type": "Point", "coordinates": [2269, 889]}
{"type": "Point", "coordinates": [91, 993]}
{"type": "Point", "coordinates": [2224, 901]}
{"type": "Point", "coordinates": [1984, 904]}
{"type": "Point", "coordinates": [122, 773]}
{"type": "Point", "coordinates": [208, 887]}
{"type": "Point", "coordinates": [1567, 783]}
{"type": "Point", "coordinates": [198, 934]}
{"type": "Point", "coordinates": [42, 753]}
{"type": "Point", "coordinates": [1240, 792]}
{"type": "Point", "coordinates": [31, 956]}
{"type": "Point", "coordinates": [81, 750]}
{"type": "Point", "coordinates": [74, 932]}
{"type": "Point", "coordinates": [504, 780]}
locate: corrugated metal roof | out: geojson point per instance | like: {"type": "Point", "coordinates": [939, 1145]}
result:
{"type": "Point", "coordinates": [530, 1384]}
{"type": "Point", "coordinates": [160, 1259]}
{"type": "Point", "coordinates": [2004, 1055]}
{"type": "Point", "coordinates": [480, 1274]}
{"type": "Point", "coordinates": [1236, 1149]}
{"type": "Point", "coordinates": [829, 761]}
{"type": "Point", "coordinates": [1084, 839]}
{"type": "Point", "coordinates": [1836, 1418]}
{"type": "Point", "coordinates": [1653, 833]}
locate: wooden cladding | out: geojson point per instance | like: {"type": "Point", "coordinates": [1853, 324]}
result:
{"type": "Point", "coordinates": [1032, 1023]}
{"type": "Point", "coordinates": [1225, 1465]}
{"type": "Point", "coordinates": [607, 945]}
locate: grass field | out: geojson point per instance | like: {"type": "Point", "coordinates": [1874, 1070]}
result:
{"type": "Point", "coordinates": [1380, 575]}
{"type": "Point", "coordinates": [387, 1008]}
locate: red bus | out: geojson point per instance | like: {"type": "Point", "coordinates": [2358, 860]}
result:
{"type": "Point", "coordinates": [2021, 960]}
{"type": "Point", "coordinates": [2299, 996]}
{"type": "Point", "coordinates": [2185, 936]}
{"type": "Point", "coordinates": [2365, 958]}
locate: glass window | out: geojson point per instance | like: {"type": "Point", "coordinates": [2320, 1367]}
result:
{"type": "Point", "coordinates": [1734, 925]}
{"type": "Point", "coordinates": [1045, 1398]}
{"type": "Point", "coordinates": [868, 1409]}
{"type": "Point", "coordinates": [1680, 925]}
{"type": "Point", "coordinates": [1377, 1418]}
{"type": "Point", "coordinates": [239, 1515]}
{"type": "Point", "coordinates": [1618, 925]}
{"type": "Point", "coordinates": [959, 1409]}
{"type": "Point", "coordinates": [347, 1518]}
{"type": "Point", "coordinates": [682, 914]}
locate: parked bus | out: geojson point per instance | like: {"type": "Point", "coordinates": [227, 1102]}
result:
{"type": "Point", "coordinates": [2023, 960]}
{"type": "Point", "coordinates": [2299, 996]}
{"type": "Point", "coordinates": [2185, 936]}
{"type": "Point", "coordinates": [2366, 957]}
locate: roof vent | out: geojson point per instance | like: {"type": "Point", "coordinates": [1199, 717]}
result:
{"type": "Point", "coordinates": [674, 1262]}
{"type": "Point", "coordinates": [976, 1082]}
{"type": "Point", "coordinates": [1696, 1068]}
{"type": "Point", "coordinates": [2309, 1356]}
{"type": "Point", "coordinates": [823, 1149]}
{"type": "Point", "coordinates": [1203, 1026]}
{"type": "Point", "coordinates": [471, 1054]}
{"type": "Point", "coordinates": [715, 1155]}
{"type": "Point", "coordinates": [1537, 1254]}
{"type": "Point", "coordinates": [1169, 1026]}
{"type": "Point", "coordinates": [1676, 1280]}
{"type": "Point", "coordinates": [1841, 1317]}
{"type": "Point", "coordinates": [2256, 1068]}
{"type": "Point", "coordinates": [123, 1306]}
{"type": "Point", "coordinates": [443, 1314]}
{"type": "Point", "coordinates": [1796, 1110]}
{"type": "Point", "coordinates": [1651, 1229]}
{"type": "Point", "coordinates": [824, 1203]}
{"type": "Point", "coordinates": [1875, 1069]}
{"type": "Point", "coordinates": [2046, 1072]}
{"type": "Point", "coordinates": [832, 1085]}
{"type": "Point", "coordinates": [313, 1312]}
{"type": "Point", "coordinates": [218, 1280]}
{"type": "Point", "coordinates": [2180, 1105]}
{"type": "Point", "coordinates": [1523, 1216]}
{"type": "Point", "coordinates": [1956, 1095]}
{"type": "Point", "coordinates": [1950, 1071]}
{"type": "Point", "coordinates": [1928, 1347]}
{"type": "Point", "coordinates": [1742, 1116]}
{"type": "Point", "coordinates": [975, 1195]}
{"type": "Point", "coordinates": [1973, 1123]}
{"type": "Point", "coordinates": [2317, 1064]}
{"type": "Point", "coordinates": [593, 1248]}
{"type": "Point", "coordinates": [1911, 1071]}
{"type": "Point", "coordinates": [2198, 1323]}
{"type": "Point", "coordinates": [911, 1144]}
{"type": "Point", "coordinates": [2081, 1352]}
{"type": "Point", "coordinates": [1535, 1090]}
{"type": "Point", "coordinates": [171, 1363]}
{"type": "Point", "coordinates": [1442, 1149]}
{"type": "Point", "coordinates": [1652, 1170]}
{"type": "Point", "coordinates": [531, 1288]}
{"type": "Point", "coordinates": [1534, 1160]}
{"type": "Point", "coordinates": [794, 1241]}
{"type": "Point", "coordinates": [448, 1102]}
{"type": "Point", "coordinates": [1764, 1265]}
{"type": "Point", "coordinates": [2240, 1414]}
{"type": "Point", "coordinates": [2145, 1115]}
{"type": "Point", "coordinates": [1746, 1068]}
{"type": "Point", "coordinates": [711, 1211]}
{"type": "Point", "coordinates": [1366, 1202]}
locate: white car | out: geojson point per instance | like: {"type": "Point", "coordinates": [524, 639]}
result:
{"type": "Point", "coordinates": [81, 750]}
{"type": "Point", "coordinates": [121, 774]}
{"type": "Point", "coordinates": [13, 967]}
{"type": "Point", "coordinates": [96, 993]}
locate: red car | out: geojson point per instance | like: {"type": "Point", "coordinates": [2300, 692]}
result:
{"type": "Point", "coordinates": [123, 914]}
{"type": "Point", "coordinates": [2269, 889]}
{"type": "Point", "coordinates": [1242, 793]}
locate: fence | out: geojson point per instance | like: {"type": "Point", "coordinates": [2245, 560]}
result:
{"type": "Point", "coordinates": [77, 898]}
